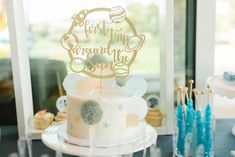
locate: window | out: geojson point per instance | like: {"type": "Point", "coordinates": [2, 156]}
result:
{"type": "Point", "coordinates": [49, 61]}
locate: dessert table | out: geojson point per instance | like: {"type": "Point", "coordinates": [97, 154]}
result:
{"type": "Point", "coordinates": [224, 142]}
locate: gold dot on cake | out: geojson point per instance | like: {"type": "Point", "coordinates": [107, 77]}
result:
{"type": "Point", "coordinates": [134, 43]}
{"type": "Point", "coordinates": [77, 65]}
{"type": "Point", "coordinates": [69, 41]}
{"type": "Point", "coordinates": [117, 14]}
{"type": "Point", "coordinates": [132, 120]}
{"type": "Point", "coordinates": [121, 69]}
{"type": "Point", "coordinates": [78, 119]}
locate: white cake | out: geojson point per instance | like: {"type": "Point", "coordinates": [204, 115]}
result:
{"type": "Point", "coordinates": [101, 113]}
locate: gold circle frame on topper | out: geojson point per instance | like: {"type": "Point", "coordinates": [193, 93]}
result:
{"type": "Point", "coordinates": [78, 19]}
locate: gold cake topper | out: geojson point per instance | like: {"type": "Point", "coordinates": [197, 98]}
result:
{"type": "Point", "coordinates": [85, 40]}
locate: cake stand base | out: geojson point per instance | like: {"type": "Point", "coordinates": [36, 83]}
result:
{"type": "Point", "coordinates": [51, 139]}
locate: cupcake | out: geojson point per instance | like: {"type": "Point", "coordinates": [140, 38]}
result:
{"type": "Point", "coordinates": [43, 119]}
{"type": "Point", "coordinates": [154, 117]}
{"type": "Point", "coordinates": [61, 116]}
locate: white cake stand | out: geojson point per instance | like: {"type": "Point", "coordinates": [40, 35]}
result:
{"type": "Point", "coordinates": [132, 144]}
{"type": "Point", "coordinates": [223, 88]}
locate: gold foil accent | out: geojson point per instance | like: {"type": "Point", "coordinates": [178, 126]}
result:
{"type": "Point", "coordinates": [122, 58]}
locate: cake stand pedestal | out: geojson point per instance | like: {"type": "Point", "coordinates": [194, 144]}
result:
{"type": "Point", "coordinates": [225, 89]}
{"type": "Point", "coordinates": [51, 139]}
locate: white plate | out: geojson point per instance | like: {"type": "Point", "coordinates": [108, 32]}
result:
{"type": "Point", "coordinates": [75, 146]}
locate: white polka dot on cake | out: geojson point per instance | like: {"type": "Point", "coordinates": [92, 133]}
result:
{"type": "Point", "coordinates": [121, 69]}
{"type": "Point", "coordinates": [117, 14]}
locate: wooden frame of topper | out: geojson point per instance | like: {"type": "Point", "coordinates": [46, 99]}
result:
{"type": "Point", "coordinates": [21, 69]}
